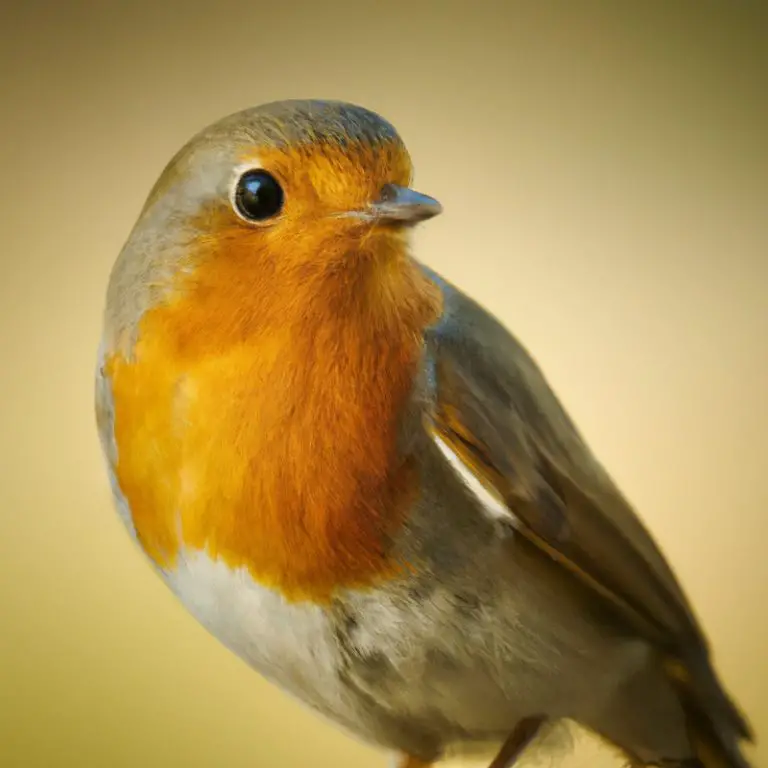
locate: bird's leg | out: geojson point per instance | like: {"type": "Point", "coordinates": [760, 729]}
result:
{"type": "Point", "coordinates": [406, 761]}
{"type": "Point", "coordinates": [524, 733]}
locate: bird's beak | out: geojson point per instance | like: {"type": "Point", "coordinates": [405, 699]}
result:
{"type": "Point", "coordinates": [401, 205]}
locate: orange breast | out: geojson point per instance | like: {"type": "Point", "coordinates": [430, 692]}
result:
{"type": "Point", "coordinates": [274, 451]}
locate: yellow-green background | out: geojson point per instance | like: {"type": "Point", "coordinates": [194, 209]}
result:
{"type": "Point", "coordinates": [604, 172]}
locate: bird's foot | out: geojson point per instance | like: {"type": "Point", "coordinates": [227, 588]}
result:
{"type": "Point", "coordinates": [523, 734]}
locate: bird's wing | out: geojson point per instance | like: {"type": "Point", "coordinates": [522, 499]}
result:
{"type": "Point", "coordinates": [498, 419]}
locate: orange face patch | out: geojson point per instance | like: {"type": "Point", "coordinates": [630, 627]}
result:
{"type": "Point", "coordinates": [257, 414]}
{"type": "Point", "coordinates": [326, 178]}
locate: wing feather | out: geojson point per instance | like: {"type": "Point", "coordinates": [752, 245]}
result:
{"type": "Point", "coordinates": [497, 415]}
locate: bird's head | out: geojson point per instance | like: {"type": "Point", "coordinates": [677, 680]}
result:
{"type": "Point", "coordinates": [269, 211]}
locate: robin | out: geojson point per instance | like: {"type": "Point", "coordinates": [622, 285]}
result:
{"type": "Point", "coordinates": [360, 482]}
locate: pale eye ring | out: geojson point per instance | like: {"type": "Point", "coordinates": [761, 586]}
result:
{"type": "Point", "coordinates": [258, 196]}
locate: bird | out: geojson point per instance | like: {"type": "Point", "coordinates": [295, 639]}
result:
{"type": "Point", "coordinates": [360, 482]}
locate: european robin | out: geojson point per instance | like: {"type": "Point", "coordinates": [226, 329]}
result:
{"type": "Point", "coordinates": [361, 483]}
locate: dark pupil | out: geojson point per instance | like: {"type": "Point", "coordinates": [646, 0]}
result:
{"type": "Point", "coordinates": [259, 196]}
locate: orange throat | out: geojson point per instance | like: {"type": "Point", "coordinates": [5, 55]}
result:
{"type": "Point", "coordinates": [272, 444]}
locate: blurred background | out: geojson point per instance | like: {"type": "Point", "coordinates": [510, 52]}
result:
{"type": "Point", "coordinates": [604, 172]}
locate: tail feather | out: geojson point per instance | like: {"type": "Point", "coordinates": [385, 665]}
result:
{"type": "Point", "coordinates": [716, 726]}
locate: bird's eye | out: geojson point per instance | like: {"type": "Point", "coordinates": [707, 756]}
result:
{"type": "Point", "coordinates": [258, 196]}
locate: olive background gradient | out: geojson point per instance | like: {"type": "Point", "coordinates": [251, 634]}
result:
{"type": "Point", "coordinates": [604, 172]}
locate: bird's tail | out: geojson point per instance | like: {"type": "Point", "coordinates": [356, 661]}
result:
{"type": "Point", "coordinates": [716, 727]}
